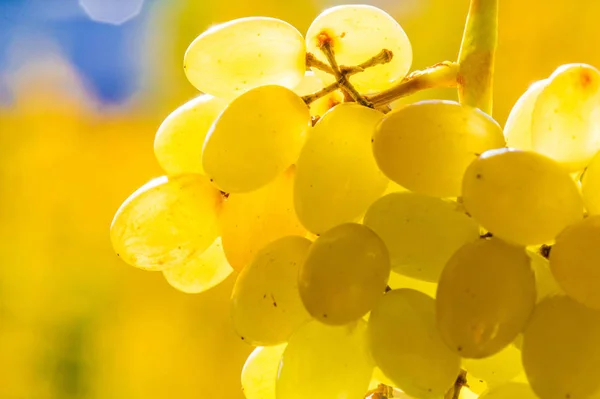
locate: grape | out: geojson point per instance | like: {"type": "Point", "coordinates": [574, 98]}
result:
{"type": "Point", "coordinates": [232, 58]}
{"type": "Point", "coordinates": [561, 349]}
{"type": "Point", "coordinates": [545, 283]}
{"type": "Point", "coordinates": [201, 272]}
{"type": "Point", "coordinates": [259, 374]}
{"type": "Point", "coordinates": [497, 369]}
{"type": "Point", "coordinates": [325, 362]}
{"type": "Point", "coordinates": [420, 232]}
{"type": "Point", "coordinates": [590, 186]}
{"type": "Point", "coordinates": [179, 140]}
{"type": "Point", "coordinates": [257, 137]}
{"type": "Point", "coordinates": [427, 146]}
{"type": "Point", "coordinates": [517, 130]}
{"type": "Point", "coordinates": [407, 347]}
{"type": "Point", "coordinates": [357, 33]}
{"type": "Point", "coordinates": [485, 296]}
{"type": "Point", "coordinates": [345, 273]}
{"type": "Point", "coordinates": [310, 84]}
{"type": "Point", "coordinates": [337, 177]}
{"type": "Point", "coordinates": [251, 220]}
{"type": "Point", "coordinates": [402, 281]}
{"type": "Point", "coordinates": [512, 390]}
{"type": "Point", "coordinates": [166, 222]}
{"type": "Point", "coordinates": [575, 261]}
{"type": "Point", "coordinates": [521, 196]}
{"type": "Point", "coordinates": [265, 304]}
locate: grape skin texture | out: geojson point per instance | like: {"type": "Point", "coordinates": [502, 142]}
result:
{"type": "Point", "coordinates": [511, 390]}
{"type": "Point", "coordinates": [179, 139]}
{"type": "Point", "coordinates": [521, 196]}
{"type": "Point", "coordinates": [336, 176]}
{"type": "Point", "coordinates": [357, 33]}
{"type": "Point", "coordinates": [265, 304]}
{"type": "Point", "coordinates": [166, 222]}
{"type": "Point", "coordinates": [345, 273]}
{"type": "Point", "coordinates": [257, 137]}
{"type": "Point", "coordinates": [590, 186]}
{"type": "Point", "coordinates": [497, 369]}
{"type": "Point", "coordinates": [485, 296]}
{"type": "Point", "coordinates": [325, 362]}
{"type": "Point", "coordinates": [259, 374]}
{"type": "Point", "coordinates": [427, 146]}
{"type": "Point", "coordinates": [561, 350]}
{"type": "Point", "coordinates": [517, 129]}
{"type": "Point", "coordinates": [407, 347]}
{"type": "Point", "coordinates": [411, 225]}
{"type": "Point", "coordinates": [234, 57]}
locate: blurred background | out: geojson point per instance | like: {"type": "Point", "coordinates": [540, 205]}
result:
{"type": "Point", "coordinates": [84, 84]}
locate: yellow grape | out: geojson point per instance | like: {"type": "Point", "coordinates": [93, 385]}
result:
{"type": "Point", "coordinates": [497, 369]}
{"type": "Point", "coordinates": [166, 222]}
{"type": "Point", "coordinates": [590, 186]}
{"type": "Point", "coordinates": [234, 57]}
{"type": "Point", "coordinates": [265, 304]}
{"type": "Point", "coordinates": [420, 232]}
{"type": "Point", "coordinates": [511, 390]}
{"type": "Point", "coordinates": [310, 84]}
{"type": "Point", "coordinates": [257, 137]}
{"type": "Point", "coordinates": [561, 350]}
{"type": "Point", "coordinates": [521, 196]}
{"type": "Point", "coordinates": [401, 281]}
{"type": "Point", "coordinates": [179, 140]}
{"type": "Point", "coordinates": [517, 130]}
{"type": "Point", "coordinates": [545, 283]}
{"type": "Point", "coordinates": [325, 362]}
{"type": "Point", "coordinates": [427, 146]}
{"type": "Point", "coordinates": [485, 296]}
{"type": "Point", "coordinates": [336, 176]}
{"type": "Point", "coordinates": [565, 123]}
{"type": "Point", "coordinates": [249, 221]}
{"type": "Point", "coordinates": [200, 273]}
{"type": "Point", "coordinates": [345, 273]}
{"type": "Point", "coordinates": [259, 374]}
{"type": "Point", "coordinates": [407, 346]}
{"type": "Point", "coordinates": [357, 33]}
{"type": "Point", "coordinates": [575, 261]}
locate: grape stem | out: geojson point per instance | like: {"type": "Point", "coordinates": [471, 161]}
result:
{"type": "Point", "coordinates": [313, 62]}
{"type": "Point", "coordinates": [454, 391]}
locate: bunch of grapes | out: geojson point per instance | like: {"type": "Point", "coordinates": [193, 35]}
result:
{"type": "Point", "coordinates": [420, 252]}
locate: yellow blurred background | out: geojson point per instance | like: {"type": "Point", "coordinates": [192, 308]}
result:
{"type": "Point", "coordinates": [76, 322]}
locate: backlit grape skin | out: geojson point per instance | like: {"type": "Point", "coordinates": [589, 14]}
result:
{"type": "Point", "coordinates": [259, 374]}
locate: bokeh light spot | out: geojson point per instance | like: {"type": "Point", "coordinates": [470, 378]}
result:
{"type": "Point", "coordinates": [113, 12]}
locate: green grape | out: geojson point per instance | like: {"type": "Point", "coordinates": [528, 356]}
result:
{"type": "Point", "coordinates": [325, 362]}
{"type": "Point", "coordinates": [179, 140]}
{"type": "Point", "coordinates": [575, 261]}
{"type": "Point", "coordinates": [420, 232]}
{"type": "Point", "coordinates": [310, 84]}
{"type": "Point", "coordinates": [561, 350]}
{"type": "Point", "coordinates": [259, 374]}
{"type": "Point", "coordinates": [517, 130]}
{"type": "Point", "coordinates": [337, 177]}
{"type": "Point", "coordinates": [427, 146]}
{"type": "Point", "coordinates": [200, 273]}
{"type": "Point", "coordinates": [545, 283]}
{"type": "Point", "coordinates": [565, 123]}
{"type": "Point", "coordinates": [485, 296]}
{"type": "Point", "coordinates": [590, 186]}
{"type": "Point", "coordinates": [167, 222]}
{"type": "Point", "coordinates": [257, 137]}
{"type": "Point", "coordinates": [401, 281]}
{"type": "Point", "coordinates": [407, 346]}
{"type": "Point", "coordinates": [512, 390]}
{"type": "Point", "coordinates": [497, 369]}
{"type": "Point", "coordinates": [521, 196]}
{"type": "Point", "coordinates": [232, 58]}
{"type": "Point", "coordinates": [265, 304]}
{"type": "Point", "coordinates": [357, 33]}
{"type": "Point", "coordinates": [249, 221]}
{"type": "Point", "coordinates": [345, 273]}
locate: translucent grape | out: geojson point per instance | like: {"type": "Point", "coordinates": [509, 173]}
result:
{"type": "Point", "coordinates": [324, 362]}
{"type": "Point", "coordinates": [259, 374]}
{"type": "Point", "coordinates": [561, 349]}
{"type": "Point", "coordinates": [337, 177]}
{"type": "Point", "coordinates": [420, 232]}
{"type": "Point", "coordinates": [497, 369]}
{"type": "Point", "coordinates": [357, 33]}
{"type": "Point", "coordinates": [401, 281]}
{"type": "Point", "coordinates": [345, 273]}
{"type": "Point", "coordinates": [590, 186]}
{"type": "Point", "coordinates": [201, 272]}
{"type": "Point", "coordinates": [265, 304]}
{"type": "Point", "coordinates": [512, 390]}
{"type": "Point", "coordinates": [232, 58]}
{"type": "Point", "coordinates": [517, 130]}
{"type": "Point", "coordinates": [545, 283]}
{"type": "Point", "coordinates": [167, 222]}
{"type": "Point", "coordinates": [179, 140]}
{"type": "Point", "coordinates": [251, 220]}
{"type": "Point", "coordinates": [575, 261]}
{"type": "Point", "coordinates": [257, 137]}
{"type": "Point", "coordinates": [310, 84]}
{"type": "Point", "coordinates": [521, 196]}
{"type": "Point", "coordinates": [485, 296]}
{"type": "Point", "coordinates": [407, 346]}
{"type": "Point", "coordinates": [427, 146]}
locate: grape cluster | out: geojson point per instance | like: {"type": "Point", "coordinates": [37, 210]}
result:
{"type": "Point", "coordinates": [379, 253]}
